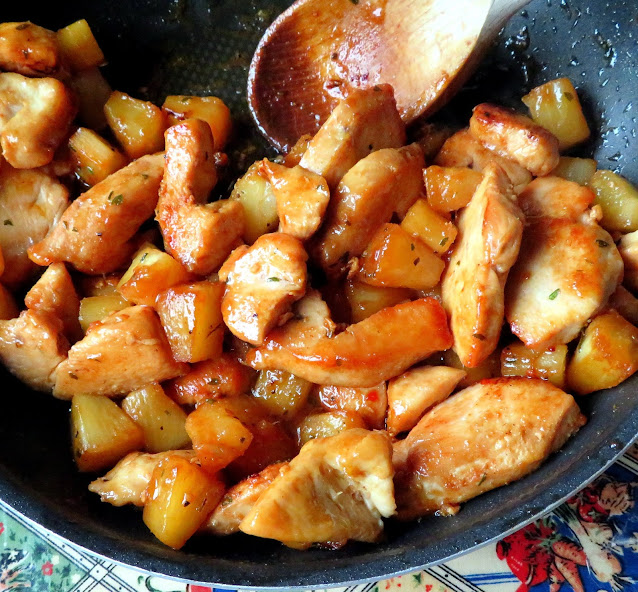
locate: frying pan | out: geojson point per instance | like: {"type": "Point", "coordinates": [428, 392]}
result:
{"type": "Point", "coordinates": [159, 47]}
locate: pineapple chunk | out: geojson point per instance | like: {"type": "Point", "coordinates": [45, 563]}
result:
{"type": "Point", "coordinates": [330, 423]}
{"type": "Point", "coordinates": [397, 260]}
{"type": "Point", "coordinates": [97, 308]}
{"type": "Point", "coordinates": [555, 106]}
{"type": "Point", "coordinates": [518, 360]}
{"type": "Point", "coordinates": [211, 379]}
{"type": "Point", "coordinates": [257, 197]}
{"type": "Point", "coordinates": [54, 293]}
{"type": "Point", "coordinates": [79, 47]}
{"type": "Point", "coordinates": [126, 351]}
{"type": "Point", "coordinates": [618, 199]}
{"type": "Point", "coordinates": [93, 157]}
{"type": "Point", "coordinates": [450, 188]}
{"type": "Point", "coordinates": [209, 109]}
{"type": "Point", "coordinates": [282, 394]}
{"type": "Point", "coordinates": [191, 315]}
{"type": "Point", "coordinates": [218, 436]}
{"type": "Point", "coordinates": [369, 403]}
{"type": "Point", "coordinates": [424, 223]}
{"type": "Point", "coordinates": [161, 419]}
{"type": "Point", "coordinates": [180, 497]}
{"type": "Point", "coordinates": [100, 285]}
{"type": "Point", "coordinates": [578, 170]}
{"type": "Point", "coordinates": [101, 432]}
{"type": "Point", "coordinates": [92, 91]}
{"type": "Point", "coordinates": [366, 300]}
{"type": "Point", "coordinates": [416, 391]}
{"type": "Point", "coordinates": [8, 307]}
{"type": "Point", "coordinates": [271, 444]}
{"type": "Point", "coordinates": [138, 125]}
{"type": "Point", "coordinates": [151, 272]}
{"type": "Point", "coordinates": [489, 368]}
{"type": "Point", "coordinates": [607, 354]}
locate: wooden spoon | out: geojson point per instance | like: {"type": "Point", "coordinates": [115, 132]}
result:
{"type": "Point", "coordinates": [316, 49]}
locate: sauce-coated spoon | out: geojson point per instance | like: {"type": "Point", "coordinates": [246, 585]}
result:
{"type": "Point", "coordinates": [316, 49]}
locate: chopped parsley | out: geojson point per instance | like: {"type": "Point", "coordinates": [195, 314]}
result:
{"type": "Point", "coordinates": [8, 222]}
{"type": "Point", "coordinates": [115, 200]}
{"type": "Point", "coordinates": [601, 243]}
{"type": "Point", "coordinates": [479, 336]}
{"type": "Point", "coordinates": [554, 294]}
{"type": "Point", "coordinates": [274, 279]}
{"type": "Point", "coordinates": [444, 241]}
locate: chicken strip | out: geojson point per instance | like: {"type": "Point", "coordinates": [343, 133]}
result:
{"type": "Point", "coordinates": [54, 293]}
{"type": "Point", "coordinates": [240, 499]}
{"type": "Point", "coordinates": [262, 282]}
{"type": "Point", "coordinates": [415, 391]}
{"type": "Point", "coordinates": [366, 353]}
{"type": "Point", "coordinates": [485, 436]}
{"type": "Point", "coordinates": [124, 352]}
{"type": "Point", "coordinates": [336, 489]}
{"type": "Point", "coordinates": [370, 404]}
{"type": "Point", "coordinates": [366, 120]}
{"type": "Point", "coordinates": [95, 233]}
{"type": "Point", "coordinates": [32, 346]}
{"type": "Point", "coordinates": [516, 137]}
{"type": "Point", "coordinates": [28, 49]}
{"type": "Point", "coordinates": [565, 274]}
{"type": "Point", "coordinates": [31, 203]}
{"type": "Point", "coordinates": [554, 197]}
{"type": "Point", "coordinates": [197, 234]}
{"type": "Point", "coordinates": [35, 115]}
{"type": "Point", "coordinates": [464, 150]}
{"type": "Point", "coordinates": [302, 198]}
{"type": "Point", "coordinates": [490, 231]}
{"type": "Point", "coordinates": [381, 184]}
{"type": "Point", "coordinates": [127, 481]}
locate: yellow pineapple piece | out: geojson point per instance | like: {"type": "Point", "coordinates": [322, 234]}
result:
{"type": "Point", "coordinates": [79, 47]}
{"type": "Point", "coordinates": [330, 423]}
{"type": "Point", "coordinates": [180, 496]}
{"type": "Point", "coordinates": [281, 393]}
{"type": "Point", "coordinates": [618, 199]}
{"type": "Point", "coordinates": [555, 106]}
{"type": "Point", "coordinates": [489, 368]}
{"type": "Point", "coordinates": [365, 300]}
{"type": "Point", "coordinates": [138, 125]}
{"type": "Point", "coordinates": [151, 272]}
{"type": "Point", "coordinates": [518, 360]}
{"type": "Point", "coordinates": [607, 354]}
{"type": "Point", "coordinates": [97, 308]}
{"type": "Point", "coordinates": [101, 433]}
{"type": "Point", "coordinates": [450, 188]}
{"type": "Point", "coordinates": [578, 170]}
{"type": "Point", "coordinates": [93, 157]}
{"type": "Point", "coordinates": [161, 419]}
{"type": "Point", "coordinates": [434, 230]}
{"type": "Point", "coordinates": [218, 436]}
{"type": "Point", "coordinates": [191, 315]}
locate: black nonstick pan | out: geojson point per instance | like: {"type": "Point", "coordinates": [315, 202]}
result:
{"type": "Point", "coordinates": [160, 47]}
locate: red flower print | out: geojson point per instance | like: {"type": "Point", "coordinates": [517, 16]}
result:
{"type": "Point", "coordinates": [196, 588]}
{"type": "Point", "coordinates": [47, 569]}
{"type": "Point", "coordinates": [1, 527]}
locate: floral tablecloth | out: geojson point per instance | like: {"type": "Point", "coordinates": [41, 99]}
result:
{"type": "Point", "coordinates": [590, 543]}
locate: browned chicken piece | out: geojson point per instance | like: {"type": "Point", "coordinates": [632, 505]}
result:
{"type": "Point", "coordinates": [366, 353]}
{"type": "Point", "coordinates": [96, 233]}
{"type": "Point", "coordinates": [32, 346]}
{"type": "Point", "coordinates": [553, 197]}
{"type": "Point", "coordinates": [127, 481]}
{"type": "Point", "coordinates": [336, 489]}
{"type": "Point", "coordinates": [31, 203]}
{"type": "Point", "coordinates": [464, 150]}
{"type": "Point", "coordinates": [35, 114]}
{"type": "Point", "coordinates": [515, 136]}
{"type": "Point", "coordinates": [366, 120]}
{"type": "Point", "coordinates": [240, 499]}
{"type": "Point", "coordinates": [262, 282]}
{"type": "Point", "coordinates": [302, 198]}
{"type": "Point", "coordinates": [415, 391]}
{"type": "Point", "coordinates": [628, 248]}
{"type": "Point", "coordinates": [124, 352]}
{"type": "Point", "coordinates": [197, 234]}
{"type": "Point", "coordinates": [385, 182]}
{"type": "Point", "coordinates": [54, 293]}
{"type": "Point", "coordinates": [28, 49]}
{"type": "Point", "coordinates": [488, 435]}
{"type": "Point", "coordinates": [565, 274]}
{"type": "Point", "coordinates": [490, 231]}
{"type": "Point", "coordinates": [370, 403]}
